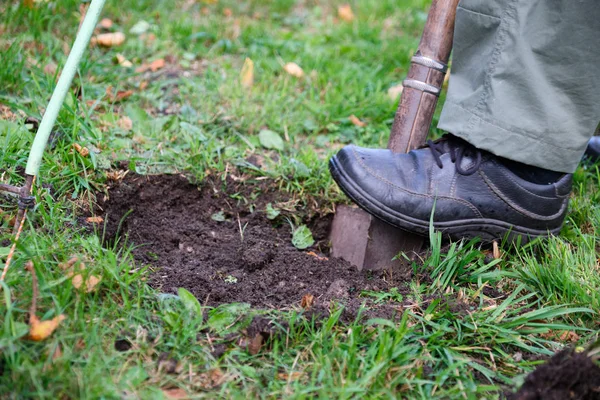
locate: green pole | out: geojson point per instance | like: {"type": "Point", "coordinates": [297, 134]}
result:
{"type": "Point", "coordinates": [62, 87]}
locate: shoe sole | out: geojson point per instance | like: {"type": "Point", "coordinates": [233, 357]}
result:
{"type": "Point", "coordinates": [485, 229]}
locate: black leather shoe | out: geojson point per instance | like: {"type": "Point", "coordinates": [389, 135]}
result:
{"type": "Point", "coordinates": [593, 149]}
{"type": "Point", "coordinates": [469, 191]}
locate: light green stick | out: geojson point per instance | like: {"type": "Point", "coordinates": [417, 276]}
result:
{"type": "Point", "coordinates": [62, 87]}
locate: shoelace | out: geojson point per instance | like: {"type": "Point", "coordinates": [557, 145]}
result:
{"type": "Point", "coordinates": [458, 149]}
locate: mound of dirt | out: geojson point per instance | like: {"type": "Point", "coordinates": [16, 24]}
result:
{"type": "Point", "coordinates": [566, 376]}
{"type": "Point", "coordinates": [217, 242]}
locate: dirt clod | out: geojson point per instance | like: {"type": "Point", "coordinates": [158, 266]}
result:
{"type": "Point", "coordinates": [244, 257]}
{"type": "Point", "coordinates": [567, 375]}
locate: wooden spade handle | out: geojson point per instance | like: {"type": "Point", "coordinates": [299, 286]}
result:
{"type": "Point", "coordinates": [425, 79]}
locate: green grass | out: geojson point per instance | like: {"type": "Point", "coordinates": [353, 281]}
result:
{"type": "Point", "coordinates": [194, 117]}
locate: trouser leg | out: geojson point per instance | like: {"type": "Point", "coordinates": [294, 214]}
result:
{"type": "Point", "coordinates": [525, 79]}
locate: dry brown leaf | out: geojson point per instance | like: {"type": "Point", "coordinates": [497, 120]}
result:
{"type": "Point", "coordinates": [569, 336]}
{"type": "Point", "coordinates": [294, 376]}
{"type": "Point", "coordinates": [307, 301]}
{"type": "Point", "coordinates": [294, 69]}
{"type": "Point", "coordinates": [175, 394]}
{"type": "Point", "coordinates": [122, 61]}
{"type": "Point", "coordinates": [345, 12]}
{"type": "Point", "coordinates": [318, 257]}
{"type": "Point", "coordinates": [125, 123]}
{"type": "Point", "coordinates": [119, 96]}
{"type": "Point", "coordinates": [247, 74]}
{"type": "Point", "coordinates": [40, 330]}
{"type": "Point", "coordinates": [355, 121]}
{"type": "Point", "coordinates": [84, 151]}
{"type": "Point", "coordinates": [106, 23]}
{"type": "Point", "coordinates": [110, 39]}
{"type": "Point", "coordinates": [496, 250]}
{"type": "Point", "coordinates": [255, 344]}
{"type": "Point", "coordinates": [90, 282]}
{"type": "Point", "coordinates": [50, 68]}
{"type": "Point", "coordinates": [94, 220]}
{"type": "Point", "coordinates": [153, 66]}
{"type": "Point", "coordinates": [28, 3]}
{"type": "Point", "coordinates": [116, 176]}
{"type": "Point", "coordinates": [395, 92]}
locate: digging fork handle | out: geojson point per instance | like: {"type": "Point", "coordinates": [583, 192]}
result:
{"type": "Point", "coordinates": [423, 84]}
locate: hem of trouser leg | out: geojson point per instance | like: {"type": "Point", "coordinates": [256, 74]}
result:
{"type": "Point", "coordinates": [505, 143]}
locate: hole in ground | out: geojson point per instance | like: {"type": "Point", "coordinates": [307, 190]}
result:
{"type": "Point", "coordinates": [245, 258]}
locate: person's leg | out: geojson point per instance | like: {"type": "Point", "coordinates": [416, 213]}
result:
{"type": "Point", "coordinates": [524, 86]}
{"type": "Point", "coordinates": [525, 81]}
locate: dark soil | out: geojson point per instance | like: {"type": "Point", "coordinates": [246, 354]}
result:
{"type": "Point", "coordinates": [246, 258]}
{"type": "Point", "coordinates": [566, 376]}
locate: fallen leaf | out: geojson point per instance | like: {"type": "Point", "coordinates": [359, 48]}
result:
{"type": "Point", "coordinates": [294, 376]}
{"type": "Point", "coordinates": [90, 282]}
{"type": "Point", "coordinates": [122, 61]}
{"type": "Point", "coordinates": [50, 68]}
{"type": "Point", "coordinates": [395, 92]}
{"type": "Point", "coordinates": [153, 66]}
{"type": "Point", "coordinates": [247, 74]}
{"type": "Point", "coordinates": [94, 220]}
{"type": "Point", "coordinates": [110, 39]}
{"type": "Point", "coordinates": [125, 123]}
{"type": "Point", "coordinates": [116, 176]}
{"type": "Point", "coordinates": [83, 151]}
{"type": "Point", "coordinates": [106, 23]}
{"type": "Point", "coordinates": [496, 251]}
{"type": "Point", "coordinates": [255, 344]}
{"type": "Point", "coordinates": [57, 353]}
{"type": "Point", "coordinates": [307, 301]}
{"type": "Point", "coordinates": [318, 257]}
{"type": "Point", "coordinates": [355, 121]}
{"type": "Point", "coordinates": [569, 336]}
{"type": "Point", "coordinates": [119, 96]}
{"type": "Point", "coordinates": [294, 69]}
{"type": "Point", "coordinates": [28, 3]}
{"type": "Point", "coordinates": [345, 12]}
{"type": "Point", "coordinates": [40, 330]}
{"type": "Point", "coordinates": [175, 393]}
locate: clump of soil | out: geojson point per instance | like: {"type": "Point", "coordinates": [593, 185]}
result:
{"type": "Point", "coordinates": [567, 375]}
{"type": "Point", "coordinates": [245, 258]}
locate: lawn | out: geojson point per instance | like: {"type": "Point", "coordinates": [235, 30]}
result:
{"type": "Point", "coordinates": [203, 90]}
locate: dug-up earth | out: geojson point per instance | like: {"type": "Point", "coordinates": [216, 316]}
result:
{"type": "Point", "coordinates": [217, 241]}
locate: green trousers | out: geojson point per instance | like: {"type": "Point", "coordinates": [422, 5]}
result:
{"type": "Point", "coordinates": [525, 79]}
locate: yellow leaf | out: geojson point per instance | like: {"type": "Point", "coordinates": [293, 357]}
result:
{"type": "Point", "coordinates": [247, 74]}
{"type": "Point", "coordinates": [345, 12]}
{"type": "Point", "coordinates": [355, 121]}
{"type": "Point", "coordinates": [110, 39]}
{"type": "Point", "coordinates": [40, 330]}
{"type": "Point", "coordinates": [293, 69]}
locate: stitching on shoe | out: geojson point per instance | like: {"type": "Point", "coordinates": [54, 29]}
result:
{"type": "Point", "coordinates": [507, 176]}
{"type": "Point", "coordinates": [519, 209]}
{"type": "Point", "coordinates": [370, 171]}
